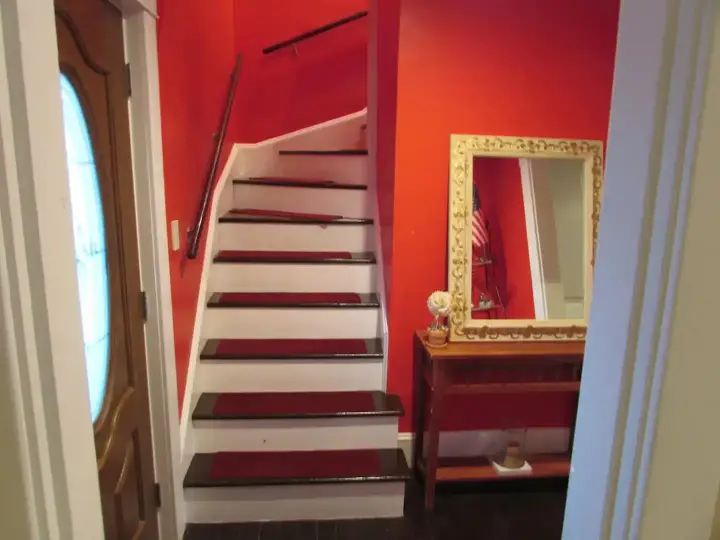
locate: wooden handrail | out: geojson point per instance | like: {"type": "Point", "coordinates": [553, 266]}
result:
{"type": "Point", "coordinates": [313, 33]}
{"type": "Point", "coordinates": [196, 231]}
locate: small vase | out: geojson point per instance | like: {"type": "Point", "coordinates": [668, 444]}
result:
{"type": "Point", "coordinates": [437, 338]}
{"type": "Point", "coordinates": [513, 458]}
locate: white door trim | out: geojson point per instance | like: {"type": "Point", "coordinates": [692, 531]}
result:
{"type": "Point", "coordinates": [40, 331]}
{"type": "Point", "coordinates": [50, 398]}
{"type": "Point", "coordinates": [642, 411]}
{"type": "Point", "coordinates": [141, 47]}
{"type": "Point", "coordinates": [131, 7]}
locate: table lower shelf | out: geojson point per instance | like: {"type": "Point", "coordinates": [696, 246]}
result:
{"type": "Point", "coordinates": [480, 468]}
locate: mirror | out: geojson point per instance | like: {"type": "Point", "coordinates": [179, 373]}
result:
{"type": "Point", "coordinates": [523, 229]}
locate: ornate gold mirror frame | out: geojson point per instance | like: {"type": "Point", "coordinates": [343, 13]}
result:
{"type": "Point", "coordinates": [463, 150]}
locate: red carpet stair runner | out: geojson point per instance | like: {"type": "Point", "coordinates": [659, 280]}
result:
{"type": "Point", "coordinates": [291, 348]}
{"type": "Point", "coordinates": [290, 422]}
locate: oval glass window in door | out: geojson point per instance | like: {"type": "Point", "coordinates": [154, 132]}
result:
{"type": "Point", "coordinates": [90, 252]}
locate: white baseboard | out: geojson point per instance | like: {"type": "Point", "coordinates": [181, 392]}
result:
{"type": "Point", "coordinates": [405, 443]}
{"type": "Point", "coordinates": [489, 442]}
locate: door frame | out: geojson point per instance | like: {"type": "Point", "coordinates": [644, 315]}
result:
{"type": "Point", "coordinates": [649, 386]}
{"type": "Point", "coordinates": [627, 479]}
{"type": "Point", "coordinates": [141, 47]}
{"type": "Point", "coordinates": [40, 331]}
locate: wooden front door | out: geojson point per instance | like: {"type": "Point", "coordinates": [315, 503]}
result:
{"type": "Point", "coordinates": [94, 90]}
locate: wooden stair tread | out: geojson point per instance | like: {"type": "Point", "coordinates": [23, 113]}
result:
{"type": "Point", "coordinates": [239, 469]}
{"type": "Point", "coordinates": [296, 218]}
{"type": "Point", "coordinates": [336, 152]}
{"type": "Point", "coordinates": [297, 183]}
{"type": "Point", "coordinates": [294, 257]}
{"type": "Point", "coordinates": [293, 300]}
{"type": "Point", "coordinates": [295, 405]}
{"type": "Point", "coordinates": [299, 349]}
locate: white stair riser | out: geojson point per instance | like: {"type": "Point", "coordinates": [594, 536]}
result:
{"type": "Point", "coordinates": [340, 169]}
{"type": "Point", "coordinates": [279, 237]}
{"type": "Point", "coordinates": [295, 502]}
{"type": "Point", "coordinates": [342, 433]}
{"type": "Point", "coordinates": [291, 323]}
{"type": "Point", "coordinates": [229, 277]}
{"type": "Point", "coordinates": [355, 203]}
{"type": "Point", "coordinates": [289, 375]}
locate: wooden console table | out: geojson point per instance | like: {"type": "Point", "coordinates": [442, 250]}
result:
{"type": "Point", "coordinates": [478, 368]}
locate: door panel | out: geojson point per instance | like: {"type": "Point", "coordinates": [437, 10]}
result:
{"type": "Point", "coordinates": [91, 56]}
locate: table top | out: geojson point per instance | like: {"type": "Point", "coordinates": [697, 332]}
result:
{"type": "Point", "coordinates": [558, 350]}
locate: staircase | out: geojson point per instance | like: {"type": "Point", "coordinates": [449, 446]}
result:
{"type": "Point", "coordinates": [290, 421]}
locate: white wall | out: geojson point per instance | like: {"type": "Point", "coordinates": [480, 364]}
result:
{"type": "Point", "coordinates": [645, 462]}
{"type": "Point", "coordinates": [560, 221]}
{"type": "Point", "coordinates": [566, 184]}
{"type": "Point", "coordinates": [550, 271]}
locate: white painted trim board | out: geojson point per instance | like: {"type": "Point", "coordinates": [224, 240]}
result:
{"type": "Point", "coordinates": [50, 384]}
{"type": "Point", "coordinates": [651, 355]}
{"type": "Point", "coordinates": [146, 138]}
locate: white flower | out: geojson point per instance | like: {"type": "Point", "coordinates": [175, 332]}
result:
{"type": "Point", "coordinates": [439, 303]}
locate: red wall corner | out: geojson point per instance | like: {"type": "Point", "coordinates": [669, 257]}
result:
{"type": "Point", "coordinates": [382, 114]}
{"type": "Point", "coordinates": [283, 91]}
{"type": "Point", "coordinates": [525, 68]}
{"type": "Point", "coordinates": [196, 57]}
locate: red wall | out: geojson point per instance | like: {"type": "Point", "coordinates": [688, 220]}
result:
{"type": "Point", "coordinates": [283, 92]}
{"type": "Point", "coordinates": [382, 104]}
{"type": "Point", "coordinates": [536, 69]}
{"type": "Point", "coordinates": [196, 56]}
{"type": "Point", "coordinates": [500, 190]}
{"type": "Point", "coordinates": [277, 94]}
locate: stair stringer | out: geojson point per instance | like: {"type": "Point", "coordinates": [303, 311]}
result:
{"type": "Point", "coordinates": [220, 203]}
{"type": "Point", "coordinates": [263, 160]}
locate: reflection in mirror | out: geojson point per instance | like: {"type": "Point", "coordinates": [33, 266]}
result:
{"type": "Point", "coordinates": [529, 238]}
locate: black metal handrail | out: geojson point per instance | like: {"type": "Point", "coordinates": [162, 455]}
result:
{"type": "Point", "coordinates": [196, 232]}
{"type": "Point", "coordinates": [316, 32]}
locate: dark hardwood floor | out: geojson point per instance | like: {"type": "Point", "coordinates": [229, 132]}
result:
{"type": "Point", "coordinates": [517, 510]}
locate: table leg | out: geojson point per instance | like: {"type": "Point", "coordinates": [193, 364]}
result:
{"type": "Point", "coordinates": [431, 462]}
